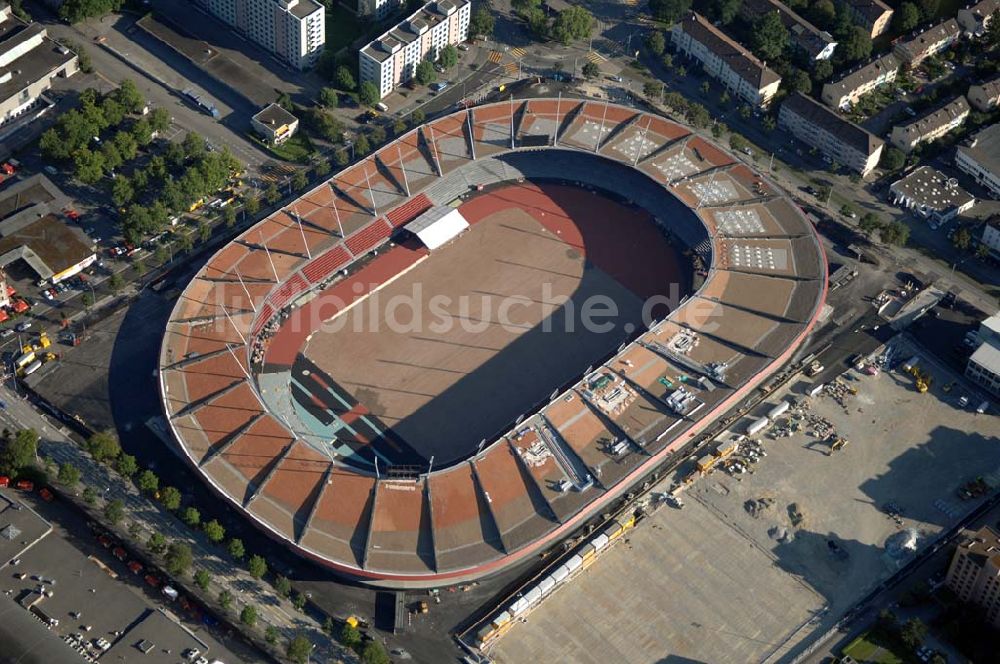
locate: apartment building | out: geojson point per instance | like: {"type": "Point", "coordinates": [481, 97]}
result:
{"type": "Point", "coordinates": [974, 573]}
{"type": "Point", "coordinates": [926, 43]}
{"type": "Point", "coordinates": [725, 60]}
{"type": "Point", "coordinates": [852, 86]}
{"type": "Point", "coordinates": [818, 44]}
{"type": "Point", "coordinates": [979, 157]}
{"type": "Point", "coordinates": [392, 58]}
{"type": "Point", "coordinates": [930, 126]}
{"type": "Point", "coordinates": [991, 238]}
{"type": "Point", "coordinates": [873, 15]}
{"type": "Point", "coordinates": [975, 19]}
{"type": "Point", "coordinates": [294, 30]}
{"type": "Point", "coordinates": [932, 195]}
{"type": "Point", "coordinates": [378, 9]}
{"type": "Point", "coordinates": [841, 140]}
{"type": "Point", "coordinates": [985, 96]}
{"type": "Point", "coordinates": [29, 62]}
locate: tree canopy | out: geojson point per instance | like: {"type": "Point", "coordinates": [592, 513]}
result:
{"type": "Point", "coordinates": [571, 24]}
{"type": "Point", "coordinates": [369, 94]}
{"type": "Point", "coordinates": [481, 24]}
{"type": "Point", "coordinates": [906, 17]}
{"type": "Point", "coordinates": [75, 11]}
{"type": "Point", "coordinates": [18, 450]}
{"type": "Point", "coordinates": [669, 11]}
{"type": "Point", "coordinates": [770, 36]}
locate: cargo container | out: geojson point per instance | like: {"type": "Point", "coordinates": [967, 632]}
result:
{"type": "Point", "coordinates": [518, 607]}
{"type": "Point", "coordinates": [779, 410]}
{"type": "Point", "coordinates": [533, 596]}
{"type": "Point", "coordinates": [587, 551]}
{"type": "Point", "coordinates": [546, 585]}
{"type": "Point", "coordinates": [626, 521]}
{"type": "Point", "coordinates": [560, 574]}
{"type": "Point", "coordinates": [574, 563]}
{"type": "Point", "coordinates": [501, 620]}
{"type": "Point", "coordinates": [613, 530]}
{"type": "Point", "coordinates": [757, 426]}
{"type": "Point", "coordinates": [705, 463]}
{"type": "Point", "coordinates": [600, 541]}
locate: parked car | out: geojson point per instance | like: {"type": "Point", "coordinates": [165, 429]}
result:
{"type": "Point", "coordinates": [23, 326]}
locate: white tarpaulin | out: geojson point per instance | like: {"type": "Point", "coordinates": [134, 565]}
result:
{"type": "Point", "coordinates": [438, 226]}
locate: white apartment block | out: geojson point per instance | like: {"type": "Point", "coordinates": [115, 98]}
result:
{"type": "Point", "coordinates": [930, 126]}
{"type": "Point", "coordinates": [980, 158]}
{"type": "Point", "coordinates": [725, 60]}
{"type": "Point", "coordinates": [392, 58]}
{"type": "Point", "coordinates": [294, 30]}
{"type": "Point", "coordinates": [378, 9]}
{"type": "Point", "coordinates": [849, 89]}
{"type": "Point", "coordinates": [841, 140]}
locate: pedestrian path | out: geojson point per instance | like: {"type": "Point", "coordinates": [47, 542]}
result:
{"type": "Point", "coordinates": [496, 56]}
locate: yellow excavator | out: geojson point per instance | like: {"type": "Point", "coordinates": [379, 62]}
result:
{"type": "Point", "coordinates": [921, 379]}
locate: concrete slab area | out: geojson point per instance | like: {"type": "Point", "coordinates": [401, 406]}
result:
{"type": "Point", "coordinates": [684, 586]}
{"type": "Point", "coordinates": [711, 583]}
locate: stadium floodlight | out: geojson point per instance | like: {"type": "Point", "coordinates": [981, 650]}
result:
{"type": "Point", "coordinates": [225, 310]}
{"type": "Point", "coordinates": [555, 132]}
{"type": "Point", "coordinates": [371, 194]}
{"type": "Point", "coordinates": [600, 134]}
{"type": "Point", "coordinates": [305, 244]}
{"type": "Point", "coordinates": [642, 142]}
{"type": "Point", "coordinates": [269, 259]}
{"type": "Point", "coordinates": [472, 134]}
{"type": "Point", "coordinates": [245, 290]}
{"type": "Point", "coordinates": [512, 122]}
{"type": "Point", "coordinates": [336, 213]}
{"type": "Point", "coordinates": [434, 152]}
{"type": "Point", "coordinates": [402, 167]}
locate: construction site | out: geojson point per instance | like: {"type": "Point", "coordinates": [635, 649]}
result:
{"type": "Point", "coordinates": [773, 531]}
{"type": "Point", "coordinates": [391, 456]}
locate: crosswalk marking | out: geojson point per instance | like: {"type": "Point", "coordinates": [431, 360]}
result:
{"type": "Point", "coordinates": [517, 53]}
{"type": "Point", "coordinates": [510, 68]}
{"type": "Point", "coordinates": [596, 57]}
{"type": "Point", "coordinates": [496, 56]}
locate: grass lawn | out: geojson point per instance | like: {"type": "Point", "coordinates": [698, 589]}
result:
{"type": "Point", "coordinates": [298, 148]}
{"type": "Point", "coordinates": [870, 648]}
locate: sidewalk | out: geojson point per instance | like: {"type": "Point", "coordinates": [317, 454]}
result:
{"type": "Point", "coordinates": [152, 517]}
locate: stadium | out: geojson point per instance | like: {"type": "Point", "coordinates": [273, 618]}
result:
{"type": "Point", "coordinates": [400, 374]}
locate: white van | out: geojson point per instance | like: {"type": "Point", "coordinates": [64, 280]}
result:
{"type": "Point", "coordinates": [382, 107]}
{"type": "Point", "coordinates": [982, 407]}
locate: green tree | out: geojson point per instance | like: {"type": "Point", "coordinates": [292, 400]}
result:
{"type": "Point", "coordinates": [135, 529]}
{"type": "Point", "coordinates": [705, 87]}
{"type": "Point", "coordinates": [799, 81]}
{"type": "Point", "coordinates": [88, 165]}
{"type": "Point", "coordinates": [399, 127]}
{"type": "Point", "coordinates": [847, 209]}
{"type": "Point", "coordinates": [236, 549]}
{"type": "Point", "coordinates": [656, 43]}
{"type": "Point", "coordinates": [194, 146]}
{"type": "Point", "coordinates": [322, 168]}
{"type": "Point", "coordinates": [913, 633]}
{"type": "Point", "coordinates": [75, 11]}
{"type": "Point", "coordinates": [669, 11]}
{"type": "Point", "coordinates": [856, 46]}
{"type": "Point", "coordinates": [126, 145]}
{"type": "Point", "coordinates": [769, 37]}
{"type": "Point", "coordinates": [328, 98]}
{"type": "Point", "coordinates": [300, 180]}
{"type": "Point", "coordinates": [892, 159]}
{"type": "Point", "coordinates": [226, 600]}
{"type": "Point", "coordinates": [157, 543]}
{"type": "Point", "coordinates": [202, 578]}
{"type": "Point", "coordinates": [344, 79]}
{"type": "Point", "coordinates": [361, 145]}
{"type": "Point", "coordinates": [282, 585]}
{"type": "Point", "coordinates": [425, 74]}
{"type": "Point", "coordinates": [114, 511]}
{"type": "Point", "coordinates": [698, 116]}
{"type": "Point", "coordinates": [139, 266]}
{"type": "Point", "coordinates": [271, 634]}
{"type": "Point", "coordinates": [204, 231]}
{"type": "Point", "coordinates": [768, 123]}
{"type": "Point", "coordinates": [179, 558]}
{"type": "Point", "coordinates": [929, 8]}
{"type": "Point", "coordinates": [89, 495]}
{"type": "Point", "coordinates": [481, 24]}
{"type": "Point", "coordinates": [87, 299]}
{"type": "Point", "coordinates": [906, 18]}
{"type": "Point", "coordinates": [116, 282]}
{"type": "Point", "coordinates": [122, 191]}
{"type": "Point", "coordinates": [148, 482]}
{"type": "Point", "coordinates": [652, 89]}
{"type": "Point", "coordinates": [19, 451]}
{"type": "Point", "coordinates": [142, 132]}
{"type": "Point", "coordinates": [299, 601]}
{"type": "Point", "coordinates": [299, 649]}
{"type": "Point", "coordinates": [417, 117]}
{"type": "Point", "coordinates": [113, 112]}
{"type": "Point", "coordinates": [251, 204]}
{"type": "Point", "coordinates": [448, 56]}
{"type": "Point", "coordinates": [591, 70]}
{"type": "Point", "coordinates": [369, 94]}
{"type": "Point", "coordinates": [271, 194]}
{"type": "Point", "coordinates": [737, 142]}
{"type": "Point", "coordinates": [170, 497]}
{"type": "Point", "coordinates": [374, 653]}
{"type": "Point", "coordinates": [982, 251]}
{"type": "Point", "coordinates": [350, 636]}
{"type": "Point", "coordinates": [214, 531]}
{"type": "Point", "coordinates": [377, 134]}
{"type": "Point", "coordinates": [869, 223]}
{"type": "Point", "coordinates": [159, 119]}
{"type": "Point", "coordinates": [257, 566]}
{"type": "Point", "coordinates": [248, 616]}
{"type": "Point", "coordinates": [573, 23]}
{"type": "Point", "coordinates": [129, 97]}
{"type": "Point", "coordinates": [229, 216]}
{"type": "Point", "coordinates": [191, 516]}
{"type": "Point", "coordinates": [962, 238]}
{"type": "Point", "coordinates": [68, 475]}
{"type": "Point", "coordinates": [895, 232]}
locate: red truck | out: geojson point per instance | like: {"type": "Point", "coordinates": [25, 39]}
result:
{"type": "Point", "coordinates": [25, 485]}
{"type": "Point", "coordinates": [152, 581]}
{"type": "Point", "coordinates": [4, 481]}
{"type": "Point", "coordinates": [135, 566]}
{"type": "Point", "coordinates": [120, 553]}
{"type": "Point", "coordinates": [46, 494]}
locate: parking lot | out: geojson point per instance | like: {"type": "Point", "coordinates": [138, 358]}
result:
{"type": "Point", "coordinates": [92, 600]}
{"type": "Point", "coordinates": [819, 527]}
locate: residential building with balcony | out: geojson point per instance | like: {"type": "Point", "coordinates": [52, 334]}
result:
{"type": "Point", "coordinates": [391, 59]}
{"type": "Point", "coordinates": [922, 45]}
{"type": "Point", "coordinates": [378, 9]}
{"type": "Point", "coordinates": [851, 87]}
{"type": "Point", "coordinates": [294, 30]}
{"type": "Point", "coordinates": [839, 139]}
{"type": "Point", "coordinates": [739, 70]}
{"type": "Point", "coordinates": [974, 573]}
{"type": "Point", "coordinates": [930, 126]}
{"type": "Point", "coordinates": [817, 44]}
{"type": "Point", "coordinates": [979, 157]}
{"type": "Point", "coordinates": [985, 96]}
{"type": "Point", "coordinates": [872, 15]}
